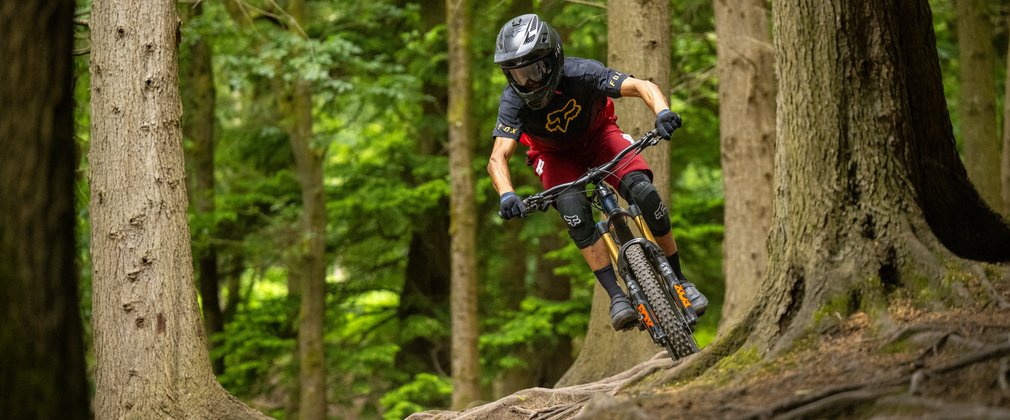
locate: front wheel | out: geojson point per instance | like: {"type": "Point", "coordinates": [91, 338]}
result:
{"type": "Point", "coordinates": [679, 342]}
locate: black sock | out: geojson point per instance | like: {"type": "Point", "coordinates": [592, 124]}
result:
{"type": "Point", "coordinates": [608, 280]}
{"type": "Point", "coordinates": [674, 261]}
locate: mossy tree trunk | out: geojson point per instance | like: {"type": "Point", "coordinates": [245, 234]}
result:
{"type": "Point", "coordinates": [1005, 159]}
{"type": "Point", "coordinates": [150, 348]}
{"type": "Point", "coordinates": [977, 104]}
{"type": "Point", "coordinates": [871, 200]}
{"type": "Point", "coordinates": [310, 250]}
{"type": "Point", "coordinates": [462, 210]}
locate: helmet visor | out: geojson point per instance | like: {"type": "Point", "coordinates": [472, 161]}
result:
{"type": "Point", "coordinates": [530, 77]}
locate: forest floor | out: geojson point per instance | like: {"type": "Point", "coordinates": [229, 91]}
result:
{"type": "Point", "coordinates": [925, 364]}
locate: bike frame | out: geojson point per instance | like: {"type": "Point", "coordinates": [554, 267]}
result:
{"type": "Point", "coordinates": [618, 237]}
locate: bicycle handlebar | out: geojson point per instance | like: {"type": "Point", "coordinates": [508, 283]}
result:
{"type": "Point", "coordinates": [542, 201]}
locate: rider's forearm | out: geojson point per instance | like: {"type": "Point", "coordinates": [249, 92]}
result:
{"type": "Point", "coordinates": [501, 178]}
{"type": "Point", "coordinates": [650, 93]}
{"type": "Point", "coordinates": [653, 97]}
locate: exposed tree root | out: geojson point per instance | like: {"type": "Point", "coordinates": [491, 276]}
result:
{"type": "Point", "coordinates": [554, 404]}
{"type": "Point", "coordinates": [844, 397]}
{"type": "Point", "coordinates": [998, 299]}
{"type": "Point", "coordinates": [909, 383]}
{"type": "Point", "coordinates": [941, 409]}
{"type": "Point", "coordinates": [1001, 378]}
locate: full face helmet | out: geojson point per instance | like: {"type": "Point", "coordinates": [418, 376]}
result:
{"type": "Point", "coordinates": [529, 52]}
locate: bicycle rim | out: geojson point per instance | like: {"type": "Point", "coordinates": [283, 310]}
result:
{"type": "Point", "coordinates": [681, 342]}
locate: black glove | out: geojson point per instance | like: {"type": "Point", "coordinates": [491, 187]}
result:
{"type": "Point", "coordinates": [511, 206]}
{"type": "Point", "coordinates": [666, 122]}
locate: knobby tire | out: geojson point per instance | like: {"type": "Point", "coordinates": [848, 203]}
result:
{"type": "Point", "coordinates": [681, 343]}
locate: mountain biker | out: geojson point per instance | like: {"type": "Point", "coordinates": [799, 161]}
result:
{"type": "Point", "coordinates": [561, 109]}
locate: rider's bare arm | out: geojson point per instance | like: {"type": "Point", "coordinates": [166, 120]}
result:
{"type": "Point", "coordinates": [498, 164]}
{"type": "Point", "coordinates": [648, 91]}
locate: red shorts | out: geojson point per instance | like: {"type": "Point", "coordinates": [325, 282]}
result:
{"type": "Point", "coordinates": [602, 143]}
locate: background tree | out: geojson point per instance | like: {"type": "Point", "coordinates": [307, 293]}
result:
{"type": "Point", "coordinates": [41, 347]}
{"type": "Point", "coordinates": [876, 153]}
{"type": "Point", "coordinates": [747, 135]}
{"type": "Point", "coordinates": [638, 40]}
{"type": "Point", "coordinates": [200, 127]}
{"type": "Point", "coordinates": [462, 211]}
{"type": "Point", "coordinates": [424, 300]}
{"type": "Point", "coordinates": [150, 349]}
{"type": "Point", "coordinates": [309, 269]}
{"type": "Point", "coordinates": [977, 104]}
{"type": "Point", "coordinates": [1005, 160]}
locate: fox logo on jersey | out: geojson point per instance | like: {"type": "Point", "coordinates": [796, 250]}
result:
{"type": "Point", "coordinates": [559, 120]}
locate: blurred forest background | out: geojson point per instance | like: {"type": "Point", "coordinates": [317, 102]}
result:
{"type": "Point", "coordinates": [373, 77]}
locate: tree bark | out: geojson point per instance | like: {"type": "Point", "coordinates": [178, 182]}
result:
{"type": "Point", "coordinates": [150, 349]}
{"type": "Point", "coordinates": [638, 40]}
{"type": "Point", "coordinates": [746, 65]}
{"type": "Point", "coordinates": [462, 210]}
{"type": "Point", "coordinates": [200, 125]}
{"type": "Point", "coordinates": [310, 250]}
{"type": "Point", "coordinates": [42, 361]}
{"type": "Point", "coordinates": [638, 43]}
{"type": "Point", "coordinates": [978, 99]}
{"type": "Point", "coordinates": [1005, 161]}
{"type": "Point", "coordinates": [871, 204]}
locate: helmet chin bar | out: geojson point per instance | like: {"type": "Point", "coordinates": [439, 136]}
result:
{"type": "Point", "coordinates": [537, 99]}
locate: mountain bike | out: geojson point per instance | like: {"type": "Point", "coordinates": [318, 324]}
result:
{"type": "Point", "coordinates": [655, 292]}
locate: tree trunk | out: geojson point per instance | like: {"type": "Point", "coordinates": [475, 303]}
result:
{"type": "Point", "coordinates": [1005, 161]}
{"type": "Point", "coordinates": [638, 40]}
{"type": "Point", "coordinates": [150, 349]}
{"type": "Point", "coordinates": [746, 64]}
{"type": "Point", "coordinates": [870, 205]}
{"type": "Point", "coordinates": [310, 250]}
{"type": "Point", "coordinates": [462, 210]}
{"type": "Point", "coordinates": [42, 362]}
{"type": "Point", "coordinates": [199, 124]}
{"type": "Point", "coordinates": [638, 43]}
{"type": "Point", "coordinates": [978, 99]}
{"type": "Point", "coordinates": [425, 293]}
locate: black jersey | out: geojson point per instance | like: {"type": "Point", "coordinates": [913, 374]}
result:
{"type": "Point", "coordinates": [578, 104]}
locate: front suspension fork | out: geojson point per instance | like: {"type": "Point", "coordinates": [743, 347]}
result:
{"type": "Point", "coordinates": [674, 287]}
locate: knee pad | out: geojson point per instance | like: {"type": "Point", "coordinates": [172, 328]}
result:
{"type": "Point", "coordinates": [637, 188]}
{"type": "Point", "coordinates": [578, 216]}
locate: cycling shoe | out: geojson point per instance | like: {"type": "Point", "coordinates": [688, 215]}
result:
{"type": "Point", "coordinates": [622, 315]}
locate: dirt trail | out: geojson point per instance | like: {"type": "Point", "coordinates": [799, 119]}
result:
{"type": "Point", "coordinates": [948, 364]}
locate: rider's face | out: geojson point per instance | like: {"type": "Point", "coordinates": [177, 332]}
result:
{"type": "Point", "coordinates": [530, 77]}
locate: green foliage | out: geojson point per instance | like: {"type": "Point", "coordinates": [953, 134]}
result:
{"type": "Point", "coordinates": [424, 391]}
{"type": "Point", "coordinates": [256, 346]}
{"type": "Point", "coordinates": [696, 216]}
{"type": "Point", "coordinates": [359, 349]}
{"type": "Point", "coordinates": [539, 323]}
